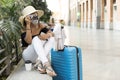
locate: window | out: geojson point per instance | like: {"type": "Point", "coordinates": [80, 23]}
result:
{"type": "Point", "coordinates": [114, 1]}
{"type": "Point", "coordinates": [91, 4]}
{"type": "Point", "coordinates": [105, 2]}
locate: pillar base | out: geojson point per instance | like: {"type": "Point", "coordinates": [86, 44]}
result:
{"type": "Point", "coordinates": [82, 24]}
{"type": "Point", "coordinates": [89, 25]}
{"type": "Point", "coordinates": [111, 25]}
{"type": "Point", "coordinates": [98, 22]}
{"type": "Point", "coordinates": [102, 25]}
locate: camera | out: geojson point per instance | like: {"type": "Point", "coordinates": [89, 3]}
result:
{"type": "Point", "coordinates": [33, 17]}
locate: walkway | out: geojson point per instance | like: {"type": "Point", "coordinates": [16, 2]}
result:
{"type": "Point", "coordinates": [101, 52]}
{"type": "Point", "coordinates": [101, 55]}
{"type": "Point", "coordinates": [21, 74]}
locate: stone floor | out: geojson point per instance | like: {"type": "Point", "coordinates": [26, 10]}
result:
{"type": "Point", "coordinates": [21, 74]}
{"type": "Point", "coordinates": [100, 50]}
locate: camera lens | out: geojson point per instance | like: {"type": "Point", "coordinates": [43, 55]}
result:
{"type": "Point", "coordinates": [35, 17]}
{"type": "Point", "coordinates": [31, 16]}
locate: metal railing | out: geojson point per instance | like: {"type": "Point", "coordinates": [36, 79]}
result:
{"type": "Point", "coordinates": [1, 61]}
{"type": "Point", "coordinates": [8, 61]}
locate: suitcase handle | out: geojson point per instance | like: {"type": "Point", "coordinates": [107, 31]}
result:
{"type": "Point", "coordinates": [68, 46]}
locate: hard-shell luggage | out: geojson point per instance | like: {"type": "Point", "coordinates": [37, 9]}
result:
{"type": "Point", "coordinates": [67, 63]}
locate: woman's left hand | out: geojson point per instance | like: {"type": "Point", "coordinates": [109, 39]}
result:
{"type": "Point", "coordinates": [44, 36]}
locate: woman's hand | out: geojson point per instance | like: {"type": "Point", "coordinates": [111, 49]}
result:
{"type": "Point", "coordinates": [27, 20]}
{"type": "Point", "coordinates": [28, 37]}
{"type": "Point", "coordinates": [44, 36]}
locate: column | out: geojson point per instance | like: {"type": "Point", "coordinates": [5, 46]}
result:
{"type": "Point", "coordinates": [86, 14]}
{"type": "Point", "coordinates": [82, 16]}
{"type": "Point", "coordinates": [118, 14]}
{"type": "Point", "coordinates": [98, 13]}
{"type": "Point", "coordinates": [78, 14]}
{"type": "Point", "coordinates": [102, 15]}
{"type": "Point", "coordinates": [109, 14]}
{"type": "Point", "coordinates": [90, 9]}
{"type": "Point", "coordinates": [94, 14]}
{"type": "Point", "coordinates": [70, 17]}
{"type": "Point", "coordinates": [69, 13]}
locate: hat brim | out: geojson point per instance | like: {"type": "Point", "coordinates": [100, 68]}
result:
{"type": "Point", "coordinates": [40, 13]}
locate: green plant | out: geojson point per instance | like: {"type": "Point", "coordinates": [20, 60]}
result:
{"type": "Point", "coordinates": [38, 4]}
{"type": "Point", "coordinates": [10, 28]}
{"type": "Point", "coordinates": [9, 25]}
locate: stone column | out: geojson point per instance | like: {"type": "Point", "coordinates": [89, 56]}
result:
{"type": "Point", "coordinates": [102, 15]}
{"type": "Point", "coordinates": [75, 15]}
{"type": "Point", "coordinates": [90, 9]}
{"type": "Point", "coordinates": [69, 13]}
{"type": "Point", "coordinates": [86, 14]}
{"type": "Point", "coordinates": [118, 14]}
{"type": "Point", "coordinates": [82, 16]}
{"type": "Point", "coordinates": [109, 14]}
{"type": "Point", "coordinates": [98, 13]}
{"type": "Point", "coordinates": [94, 13]}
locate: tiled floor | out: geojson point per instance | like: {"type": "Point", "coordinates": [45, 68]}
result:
{"type": "Point", "coordinates": [101, 52]}
{"type": "Point", "coordinates": [21, 74]}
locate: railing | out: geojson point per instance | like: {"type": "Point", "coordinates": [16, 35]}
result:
{"type": "Point", "coordinates": [1, 61]}
{"type": "Point", "coordinates": [7, 62]}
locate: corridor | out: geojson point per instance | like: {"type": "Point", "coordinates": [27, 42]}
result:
{"type": "Point", "coordinates": [100, 50]}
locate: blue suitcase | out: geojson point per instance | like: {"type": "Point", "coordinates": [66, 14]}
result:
{"type": "Point", "coordinates": [67, 63]}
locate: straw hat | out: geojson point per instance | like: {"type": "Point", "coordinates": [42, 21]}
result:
{"type": "Point", "coordinates": [28, 10]}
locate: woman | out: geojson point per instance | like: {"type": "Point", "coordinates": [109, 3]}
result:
{"type": "Point", "coordinates": [37, 38]}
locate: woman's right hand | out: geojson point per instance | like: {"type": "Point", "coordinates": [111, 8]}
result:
{"type": "Point", "coordinates": [27, 20]}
